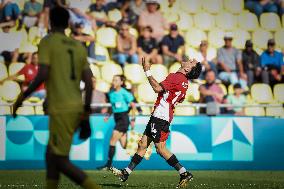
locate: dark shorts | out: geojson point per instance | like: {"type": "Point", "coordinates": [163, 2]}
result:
{"type": "Point", "coordinates": [157, 129]}
{"type": "Point", "coordinates": [121, 122]}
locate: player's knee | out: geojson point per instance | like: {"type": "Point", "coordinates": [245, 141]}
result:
{"type": "Point", "coordinates": [160, 150]}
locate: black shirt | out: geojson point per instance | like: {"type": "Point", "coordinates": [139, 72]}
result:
{"type": "Point", "coordinates": [147, 45]}
{"type": "Point", "coordinates": [173, 43]}
{"type": "Point", "coordinates": [250, 60]}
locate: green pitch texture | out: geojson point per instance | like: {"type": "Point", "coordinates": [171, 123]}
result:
{"type": "Point", "coordinates": [154, 180]}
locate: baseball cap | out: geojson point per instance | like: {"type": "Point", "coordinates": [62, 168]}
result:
{"type": "Point", "coordinates": [152, 2]}
{"type": "Point", "coordinates": [249, 43]}
{"type": "Point", "coordinates": [173, 27]}
{"type": "Point", "coordinates": [237, 86]}
{"type": "Point", "coordinates": [271, 42]}
{"type": "Point", "coordinates": [228, 35]}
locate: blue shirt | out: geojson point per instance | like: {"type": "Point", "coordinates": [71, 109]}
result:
{"type": "Point", "coordinates": [173, 43]}
{"type": "Point", "coordinates": [120, 100]}
{"type": "Point", "coordinates": [275, 60]}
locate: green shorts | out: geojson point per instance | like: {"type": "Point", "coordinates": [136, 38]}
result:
{"type": "Point", "coordinates": [61, 130]}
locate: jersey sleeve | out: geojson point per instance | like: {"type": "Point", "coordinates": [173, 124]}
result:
{"type": "Point", "coordinates": [128, 96]}
{"type": "Point", "coordinates": [43, 52]}
{"type": "Point", "coordinates": [168, 84]}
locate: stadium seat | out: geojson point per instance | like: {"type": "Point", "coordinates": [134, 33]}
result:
{"type": "Point", "coordinates": [134, 73]}
{"type": "Point", "coordinates": [109, 70]}
{"type": "Point", "coordinates": [248, 21]}
{"type": "Point", "coordinates": [204, 21]}
{"type": "Point", "coordinates": [110, 40]}
{"type": "Point", "coordinates": [185, 21]}
{"type": "Point", "coordinates": [234, 6]}
{"type": "Point", "coordinates": [190, 52]}
{"type": "Point", "coordinates": [159, 72]}
{"type": "Point", "coordinates": [134, 32]}
{"type": "Point", "coordinates": [261, 93]}
{"type": "Point", "coordinates": [114, 15]}
{"type": "Point", "coordinates": [240, 37]}
{"type": "Point", "coordinates": [102, 52]}
{"type": "Point", "coordinates": [34, 36]}
{"type": "Point", "coordinates": [102, 86]}
{"type": "Point", "coordinates": [278, 92]}
{"type": "Point", "coordinates": [190, 6]}
{"type": "Point", "coordinates": [174, 68]}
{"type": "Point", "coordinates": [95, 70]}
{"type": "Point", "coordinates": [193, 94]}
{"type": "Point", "coordinates": [270, 21]}
{"type": "Point", "coordinates": [275, 111]}
{"type": "Point", "coordinates": [279, 38]}
{"type": "Point", "coordinates": [3, 71]}
{"type": "Point", "coordinates": [194, 36]}
{"type": "Point", "coordinates": [226, 21]}
{"type": "Point", "coordinates": [254, 111]}
{"type": "Point", "coordinates": [211, 52]}
{"type": "Point", "coordinates": [10, 91]}
{"type": "Point", "coordinates": [14, 68]}
{"type": "Point", "coordinates": [184, 110]}
{"type": "Point", "coordinates": [171, 17]}
{"type": "Point", "coordinates": [260, 38]}
{"type": "Point", "coordinates": [5, 110]}
{"type": "Point", "coordinates": [224, 88]}
{"type": "Point", "coordinates": [146, 93]}
{"type": "Point", "coordinates": [216, 37]}
{"type": "Point", "coordinates": [28, 47]}
{"type": "Point", "coordinates": [25, 110]}
{"type": "Point", "coordinates": [39, 110]}
{"type": "Point", "coordinates": [212, 6]}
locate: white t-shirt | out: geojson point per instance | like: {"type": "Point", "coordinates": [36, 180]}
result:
{"type": "Point", "coordinates": [209, 56]}
{"type": "Point", "coordinates": [82, 5]}
{"type": "Point", "coordinates": [9, 41]}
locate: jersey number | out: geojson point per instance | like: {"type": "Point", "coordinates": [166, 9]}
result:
{"type": "Point", "coordinates": [71, 54]}
{"type": "Point", "coordinates": [178, 94]}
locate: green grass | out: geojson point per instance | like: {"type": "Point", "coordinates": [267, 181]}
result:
{"type": "Point", "coordinates": [155, 180]}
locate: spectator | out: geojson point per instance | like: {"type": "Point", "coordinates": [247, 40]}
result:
{"type": "Point", "coordinates": [237, 99]}
{"type": "Point", "coordinates": [99, 11]}
{"type": "Point", "coordinates": [260, 6]}
{"type": "Point", "coordinates": [271, 62]}
{"type": "Point", "coordinates": [147, 46]}
{"type": "Point", "coordinates": [137, 6]}
{"type": "Point", "coordinates": [10, 10]}
{"type": "Point", "coordinates": [211, 91]}
{"type": "Point", "coordinates": [154, 18]}
{"type": "Point", "coordinates": [230, 61]}
{"type": "Point", "coordinates": [281, 7]}
{"type": "Point", "coordinates": [126, 46]}
{"type": "Point", "coordinates": [171, 44]}
{"type": "Point", "coordinates": [205, 58]}
{"type": "Point", "coordinates": [48, 5]}
{"type": "Point", "coordinates": [250, 60]}
{"type": "Point", "coordinates": [128, 16]}
{"type": "Point", "coordinates": [32, 11]}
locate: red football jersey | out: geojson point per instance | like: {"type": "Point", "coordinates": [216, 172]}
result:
{"type": "Point", "coordinates": [175, 87]}
{"type": "Point", "coordinates": [30, 72]}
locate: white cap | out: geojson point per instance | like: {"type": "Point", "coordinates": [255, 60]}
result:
{"type": "Point", "coordinates": [152, 1]}
{"type": "Point", "coordinates": [228, 35]}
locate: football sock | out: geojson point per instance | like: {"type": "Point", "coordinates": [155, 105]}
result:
{"type": "Point", "coordinates": [51, 184]}
{"type": "Point", "coordinates": [136, 159]}
{"type": "Point", "coordinates": [111, 153]}
{"type": "Point", "coordinates": [173, 161]}
{"type": "Point", "coordinates": [88, 183]}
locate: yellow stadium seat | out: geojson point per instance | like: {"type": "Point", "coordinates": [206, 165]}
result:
{"type": "Point", "coordinates": [261, 93]}
{"type": "Point", "coordinates": [171, 17]}
{"type": "Point", "coordinates": [248, 21]}
{"type": "Point", "coordinates": [174, 68]}
{"type": "Point", "coordinates": [110, 40]}
{"type": "Point", "coordinates": [3, 71]}
{"type": "Point", "coordinates": [134, 32]}
{"type": "Point", "coordinates": [95, 70]}
{"type": "Point", "coordinates": [190, 52]}
{"type": "Point", "coordinates": [102, 86]}
{"type": "Point", "coordinates": [234, 6]}
{"type": "Point", "coordinates": [134, 73]}
{"type": "Point", "coordinates": [270, 21]}
{"type": "Point", "coordinates": [109, 70]}
{"type": "Point", "coordinates": [279, 38]}
{"type": "Point", "coordinates": [278, 92]}
{"type": "Point", "coordinates": [212, 6]}
{"type": "Point", "coordinates": [231, 89]}
{"type": "Point", "coordinates": [27, 47]}
{"type": "Point", "coordinates": [226, 21]}
{"type": "Point", "coordinates": [184, 110]}
{"type": "Point", "coordinates": [39, 110]}
{"type": "Point", "coordinates": [114, 15]}
{"type": "Point", "coordinates": [260, 38]}
{"type": "Point", "coordinates": [194, 36]}
{"type": "Point", "coordinates": [34, 35]}
{"type": "Point", "coordinates": [224, 88]}
{"type": "Point", "coordinates": [14, 68]}
{"type": "Point", "coordinates": [185, 21]}
{"type": "Point", "coordinates": [216, 37]}
{"type": "Point", "coordinates": [10, 91]}
{"type": "Point", "coordinates": [254, 111]}
{"type": "Point", "coordinates": [275, 111]}
{"type": "Point", "coordinates": [102, 52]}
{"type": "Point", "coordinates": [190, 6]}
{"type": "Point", "coordinates": [193, 94]}
{"type": "Point", "coordinates": [204, 21]}
{"type": "Point", "coordinates": [240, 37]}
{"type": "Point", "coordinates": [25, 110]}
{"type": "Point", "coordinates": [5, 110]}
{"type": "Point", "coordinates": [159, 72]}
{"type": "Point", "coordinates": [146, 93]}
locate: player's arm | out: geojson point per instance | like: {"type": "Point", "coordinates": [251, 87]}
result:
{"type": "Point", "coordinates": [153, 82]}
{"type": "Point", "coordinates": [87, 79]}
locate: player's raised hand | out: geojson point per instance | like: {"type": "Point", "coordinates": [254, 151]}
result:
{"type": "Point", "coordinates": [146, 64]}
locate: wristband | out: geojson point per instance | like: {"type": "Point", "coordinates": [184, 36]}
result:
{"type": "Point", "coordinates": [148, 73]}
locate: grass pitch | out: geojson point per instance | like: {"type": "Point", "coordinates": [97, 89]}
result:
{"type": "Point", "coordinates": [154, 180]}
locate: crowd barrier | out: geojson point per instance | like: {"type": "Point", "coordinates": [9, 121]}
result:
{"type": "Point", "coordinates": [199, 142]}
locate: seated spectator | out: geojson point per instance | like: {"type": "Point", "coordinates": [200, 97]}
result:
{"type": "Point", "coordinates": [148, 47]}
{"type": "Point", "coordinates": [281, 7]}
{"type": "Point", "coordinates": [251, 65]}
{"type": "Point", "coordinates": [48, 5]}
{"type": "Point", "coordinates": [260, 6]}
{"type": "Point", "coordinates": [126, 46]}
{"type": "Point", "coordinates": [32, 11]}
{"type": "Point", "coordinates": [137, 6]}
{"type": "Point", "coordinates": [10, 10]}
{"type": "Point", "coordinates": [230, 61]}
{"type": "Point", "coordinates": [237, 99]}
{"type": "Point", "coordinates": [128, 16]}
{"type": "Point", "coordinates": [205, 59]}
{"type": "Point", "coordinates": [99, 11]}
{"type": "Point", "coordinates": [271, 62]}
{"type": "Point", "coordinates": [86, 39]}
{"type": "Point", "coordinates": [171, 44]}
{"type": "Point", "coordinates": [211, 91]}
{"type": "Point", "coordinates": [154, 18]}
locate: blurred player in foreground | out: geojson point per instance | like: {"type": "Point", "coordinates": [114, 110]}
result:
{"type": "Point", "coordinates": [62, 65]}
{"type": "Point", "coordinates": [171, 92]}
